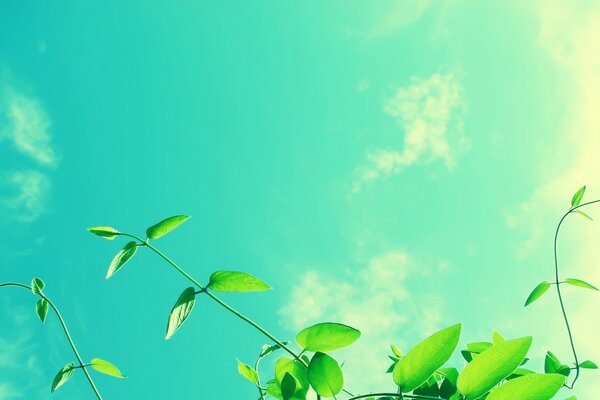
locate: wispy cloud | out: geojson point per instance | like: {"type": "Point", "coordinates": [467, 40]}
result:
{"type": "Point", "coordinates": [429, 112]}
{"type": "Point", "coordinates": [400, 14]}
{"type": "Point", "coordinates": [25, 194]}
{"type": "Point", "coordinates": [376, 299]}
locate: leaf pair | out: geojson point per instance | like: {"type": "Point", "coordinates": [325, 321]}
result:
{"type": "Point", "coordinates": [98, 364]}
{"type": "Point", "coordinates": [543, 287]}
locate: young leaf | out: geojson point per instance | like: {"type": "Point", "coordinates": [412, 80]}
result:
{"type": "Point", "coordinates": [537, 292]}
{"type": "Point", "coordinates": [37, 285]}
{"type": "Point", "coordinates": [497, 337]}
{"type": "Point", "coordinates": [577, 197]}
{"type": "Point", "coordinates": [396, 351]}
{"type": "Point", "coordinates": [326, 336]}
{"type": "Point", "coordinates": [288, 386]}
{"type": "Point", "coordinates": [588, 365]}
{"type": "Point", "coordinates": [124, 255]}
{"type": "Point", "coordinates": [248, 372]}
{"type": "Point", "coordinates": [233, 281]}
{"type": "Point", "coordinates": [584, 215]}
{"type": "Point", "coordinates": [297, 370]}
{"type": "Point", "coordinates": [63, 376]}
{"type": "Point", "coordinates": [181, 310]}
{"type": "Point", "coordinates": [105, 231]}
{"type": "Point", "coordinates": [492, 366]}
{"type": "Point", "coordinates": [551, 363]}
{"type": "Point", "coordinates": [580, 283]}
{"type": "Point", "coordinates": [425, 358]}
{"type": "Point", "coordinates": [165, 226]}
{"type": "Point", "coordinates": [325, 375]}
{"type": "Point", "coordinates": [529, 387]}
{"type": "Point", "coordinates": [106, 368]}
{"type": "Point", "coordinates": [268, 349]}
{"type": "Point", "coordinates": [41, 308]}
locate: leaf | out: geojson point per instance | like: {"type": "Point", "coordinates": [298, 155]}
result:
{"type": "Point", "coordinates": [580, 283]}
{"type": "Point", "coordinates": [105, 231]}
{"type": "Point", "coordinates": [297, 370]}
{"type": "Point", "coordinates": [588, 365]}
{"type": "Point", "coordinates": [577, 197]}
{"type": "Point", "coordinates": [448, 387]}
{"type": "Point", "coordinates": [551, 363]}
{"type": "Point", "coordinates": [497, 337]}
{"type": "Point", "coordinates": [63, 376]}
{"type": "Point", "coordinates": [248, 372]}
{"type": "Point", "coordinates": [165, 226]}
{"type": "Point", "coordinates": [37, 285]}
{"type": "Point", "coordinates": [492, 366]}
{"type": "Point", "coordinates": [325, 375]}
{"type": "Point", "coordinates": [268, 349]}
{"type": "Point", "coordinates": [396, 351]}
{"type": "Point", "coordinates": [124, 255]}
{"type": "Point", "coordinates": [106, 368]}
{"type": "Point", "coordinates": [425, 358]}
{"type": "Point", "coordinates": [288, 386]}
{"type": "Point", "coordinates": [233, 281]}
{"type": "Point", "coordinates": [529, 387]}
{"type": "Point", "coordinates": [478, 347]}
{"type": "Point", "coordinates": [326, 336]}
{"type": "Point", "coordinates": [537, 292]}
{"type": "Point", "coordinates": [181, 310]}
{"type": "Point", "coordinates": [584, 215]}
{"type": "Point", "coordinates": [41, 308]}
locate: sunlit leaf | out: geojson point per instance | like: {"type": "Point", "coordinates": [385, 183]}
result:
{"type": "Point", "coordinates": [41, 308]}
{"type": "Point", "coordinates": [297, 370]}
{"type": "Point", "coordinates": [537, 292]}
{"type": "Point", "coordinates": [577, 197]}
{"type": "Point", "coordinates": [425, 358]}
{"type": "Point", "coordinates": [325, 375]}
{"type": "Point", "coordinates": [181, 310]}
{"type": "Point", "coordinates": [497, 337]}
{"type": "Point", "coordinates": [584, 215]}
{"type": "Point", "coordinates": [37, 285]}
{"type": "Point", "coordinates": [234, 281]}
{"type": "Point", "coordinates": [106, 368]}
{"type": "Point", "coordinates": [580, 283]}
{"type": "Point", "coordinates": [551, 363]}
{"type": "Point", "coordinates": [492, 366]}
{"type": "Point", "coordinates": [326, 336]}
{"type": "Point", "coordinates": [588, 365]}
{"type": "Point", "coordinates": [124, 255]}
{"type": "Point", "coordinates": [247, 372]}
{"type": "Point", "coordinates": [478, 347]}
{"type": "Point", "coordinates": [529, 387]}
{"type": "Point", "coordinates": [63, 376]}
{"type": "Point", "coordinates": [105, 231]}
{"type": "Point", "coordinates": [165, 226]}
{"type": "Point", "coordinates": [396, 351]}
{"type": "Point", "coordinates": [288, 386]}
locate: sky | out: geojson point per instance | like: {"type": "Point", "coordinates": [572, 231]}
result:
{"type": "Point", "coordinates": [397, 166]}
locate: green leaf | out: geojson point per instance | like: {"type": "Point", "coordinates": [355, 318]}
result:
{"type": "Point", "coordinates": [248, 372]}
{"type": "Point", "coordinates": [396, 351]}
{"type": "Point", "coordinates": [537, 292]}
{"type": "Point", "coordinates": [580, 283]}
{"type": "Point", "coordinates": [268, 349]}
{"type": "Point", "coordinates": [326, 336]}
{"type": "Point", "coordinates": [584, 215]}
{"type": "Point", "coordinates": [37, 285]}
{"type": "Point", "coordinates": [448, 387]}
{"type": "Point", "coordinates": [124, 255]}
{"type": "Point", "coordinates": [425, 358]}
{"type": "Point", "coordinates": [106, 368]}
{"type": "Point", "coordinates": [519, 372]}
{"type": "Point", "coordinates": [492, 366]}
{"type": "Point", "coordinates": [551, 363]}
{"type": "Point", "coordinates": [181, 310]}
{"type": "Point", "coordinates": [325, 375]}
{"type": "Point", "coordinates": [478, 347]}
{"type": "Point", "coordinates": [41, 308]}
{"type": "Point", "coordinates": [105, 231]}
{"type": "Point", "coordinates": [529, 387]}
{"type": "Point", "coordinates": [588, 365]}
{"type": "Point", "coordinates": [497, 337]}
{"type": "Point", "coordinates": [297, 370]}
{"type": "Point", "coordinates": [288, 386]}
{"type": "Point", "coordinates": [577, 197]}
{"type": "Point", "coordinates": [233, 281]}
{"type": "Point", "coordinates": [165, 226]}
{"type": "Point", "coordinates": [63, 376]}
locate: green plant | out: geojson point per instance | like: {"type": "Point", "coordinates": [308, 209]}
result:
{"type": "Point", "coordinates": [494, 371]}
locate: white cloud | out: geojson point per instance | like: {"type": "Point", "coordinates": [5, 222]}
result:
{"type": "Point", "coordinates": [27, 194]}
{"type": "Point", "coordinates": [428, 110]}
{"type": "Point", "coordinates": [401, 14]}
{"type": "Point", "coordinates": [28, 127]}
{"type": "Point", "coordinates": [378, 301]}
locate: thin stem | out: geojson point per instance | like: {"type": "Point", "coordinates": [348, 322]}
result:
{"type": "Point", "coordinates": [67, 334]}
{"type": "Point", "coordinates": [258, 384]}
{"type": "Point", "coordinates": [557, 284]}
{"type": "Point", "coordinates": [396, 395]}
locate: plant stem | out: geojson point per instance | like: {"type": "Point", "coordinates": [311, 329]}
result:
{"type": "Point", "coordinates": [557, 284]}
{"type": "Point", "coordinates": [67, 334]}
{"type": "Point", "coordinates": [218, 300]}
{"type": "Point", "coordinates": [258, 384]}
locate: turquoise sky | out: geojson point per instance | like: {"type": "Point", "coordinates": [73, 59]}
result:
{"type": "Point", "coordinates": [395, 165]}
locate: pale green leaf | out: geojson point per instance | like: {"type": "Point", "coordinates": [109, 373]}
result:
{"type": "Point", "coordinates": [297, 370]}
{"type": "Point", "coordinates": [529, 387]}
{"type": "Point", "coordinates": [588, 365]}
{"type": "Point", "coordinates": [537, 292]}
{"type": "Point", "coordinates": [165, 226]}
{"type": "Point", "coordinates": [124, 255]}
{"type": "Point", "coordinates": [492, 366]}
{"type": "Point", "coordinates": [181, 310]}
{"type": "Point", "coordinates": [63, 376]}
{"type": "Point", "coordinates": [584, 215]}
{"type": "Point", "coordinates": [325, 375]}
{"type": "Point", "coordinates": [326, 336]}
{"type": "Point", "coordinates": [497, 337]}
{"type": "Point", "coordinates": [247, 372]}
{"type": "Point", "coordinates": [397, 352]}
{"type": "Point", "coordinates": [37, 285]}
{"type": "Point", "coordinates": [106, 368]}
{"type": "Point", "coordinates": [234, 281]}
{"type": "Point", "coordinates": [580, 283]}
{"type": "Point", "coordinates": [577, 197]}
{"type": "Point", "coordinates": [41, 308]}
{"type": "Point", "coordinates": [425, 358]}
{"type": "Point", "coordinates": [105, 231]}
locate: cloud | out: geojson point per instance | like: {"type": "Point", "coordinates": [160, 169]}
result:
{"type": "Point", "coordinates": [428, 110]}
{"type": "Point", "coordinates": [25, 193]}
{"type": "Point", "coordinates": [377, 300]}
{"type": "Point", "coordinates": [401, 14]}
